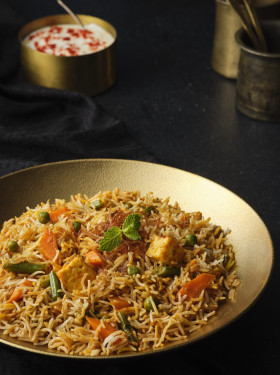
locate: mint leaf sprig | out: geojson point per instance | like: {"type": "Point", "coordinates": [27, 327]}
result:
{"type": "Point", "coordinates": [113, 236]}
{"type": "Point", "coordinates": [131, 227]}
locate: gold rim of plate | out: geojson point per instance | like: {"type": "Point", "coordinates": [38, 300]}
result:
{"type": "Point", "coordinates": [250, 236]}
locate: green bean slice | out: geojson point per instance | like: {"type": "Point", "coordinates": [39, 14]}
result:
{"type": "Point", "coordinates": [24, 267]}
{"type": "Point", "coordinates": [126, 327]}
{"type": "Point", "coordinates": [55, 286]}
{"type": "Point", "coordinates": [167, 271]}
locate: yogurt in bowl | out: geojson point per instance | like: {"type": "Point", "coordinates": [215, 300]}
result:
{"type": "Point", "coordinates": [57, 52]}
{"type": "Point", "coordinates": [69, 39]}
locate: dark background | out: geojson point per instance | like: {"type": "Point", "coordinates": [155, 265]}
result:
{"type": "Point", "coordinates": [182, 112]}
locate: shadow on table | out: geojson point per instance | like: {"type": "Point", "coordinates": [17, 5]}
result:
{"type": "Point", "coordinates": [14, 361]}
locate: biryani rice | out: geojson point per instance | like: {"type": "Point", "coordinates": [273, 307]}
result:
{"type": "Point", "coordinates": [61, 325]}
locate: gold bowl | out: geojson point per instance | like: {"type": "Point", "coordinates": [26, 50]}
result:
{"type": "Point", "coordinates": [90, 74]}
{"type": "Point", "coordinates": [249, 237]}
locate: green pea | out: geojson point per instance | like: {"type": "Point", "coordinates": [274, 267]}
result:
{"type": "Point", "coordinates": [77, 226]}
{"type": "Point", "coordinates": [97, 204]}
{"type": "Point", "coordinates": [127, 206]}
{"type": "Point", "coordinates": [44, 281]}
{"type": "Point", "coordinates": [43, 217]}
{"type": "Point", "coordinates": [190, 239]}
{"type": "Point", "coordinates": [148, 305]}
{"type": "Point", "coordinates": [133, 270]}
{"type": "Point", "coordinates": [13, 246]}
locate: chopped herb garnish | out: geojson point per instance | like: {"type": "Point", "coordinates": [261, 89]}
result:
{"type": "Point", "coordinates": [131, 226]}
{"type": "Point", "coordinates": [113, 236]}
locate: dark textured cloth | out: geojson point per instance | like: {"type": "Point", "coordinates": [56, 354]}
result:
{"type": "Point", "coordinates": [39, 125]}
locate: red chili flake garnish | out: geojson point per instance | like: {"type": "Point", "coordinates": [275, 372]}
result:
{"type": "Point", "coordinates": [55, 29]}
{"type": "Point", "coordinates": [76, 34]}
{"type": "Point", "coordinates": [41, 49]}
{"type": "Point", "coordinates": [94, 42]}
{"type": "Point", "coordinates": [85, 33]}
{"type": "Point", "coordinates": [47, 38]}
{"type": "Point", "coordinates": [72, 51]}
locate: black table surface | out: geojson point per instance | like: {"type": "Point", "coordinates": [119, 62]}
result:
{"type": "Point", "coordinates": [183, 112]}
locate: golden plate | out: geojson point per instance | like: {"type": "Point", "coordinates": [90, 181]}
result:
{"type": "Point", "coordinates": [250, 237]}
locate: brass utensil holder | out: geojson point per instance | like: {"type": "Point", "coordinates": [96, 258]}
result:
{"type": "Point", "coordinates": [90, 74]}
{"type": "Point", "coordinates": [258, 81]}
{"type": "Point", "coordinates": [225, 52]}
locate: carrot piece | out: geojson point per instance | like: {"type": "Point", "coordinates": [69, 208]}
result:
{"type": "Point", "coordinates": [193, 288]}
{"type": "Point", "coordinates": [19, 291]}
{"type": "Point", "coordinates": [94, 258]}
{"type": "Point", "coordinates": [119, 303]}
{"type": "Point", "coordinates": [54, 215]}
{"type": "Point", "coordinates": [103, 332]}
{"type": "Point", "coordinates": [48, 246]}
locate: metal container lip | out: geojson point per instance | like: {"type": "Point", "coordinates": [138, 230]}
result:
{"type": "Point", "coordinates": [52, 20]}
{"type": "Point", "coordinates": [257, 3]}
{"type": "Point", "coordinates": [239, 36]}
{"type": "Point", "coordinates": [224, 2]}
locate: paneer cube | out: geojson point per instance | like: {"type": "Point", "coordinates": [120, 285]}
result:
{"type": "Point", "coordinates": [166, 250]}
{"type": "Point", "coordinates": [71, 274]}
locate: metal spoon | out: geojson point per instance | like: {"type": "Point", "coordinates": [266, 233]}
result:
{"type": "Point", "coordinates": [256, 23]}
{"type": "Point", "coordinates": [246, 23]}
{"type": "Point", "coordinates": [69, 11]}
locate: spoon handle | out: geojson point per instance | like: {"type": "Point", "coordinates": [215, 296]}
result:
{"type": "Point", "coordinates": [245, 23]}
{"type": "Point", "coordinates": [256, 23]}
{"type": "Point", "coordinates": [72, 14]}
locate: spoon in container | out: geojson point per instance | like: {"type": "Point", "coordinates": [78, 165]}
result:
{"type": "Point", "coordinates": [256, 23]}
{"type": "Point", "coordinates": [69, 11]}
{"type": "Point", "coordinates": [250, 22]}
